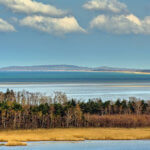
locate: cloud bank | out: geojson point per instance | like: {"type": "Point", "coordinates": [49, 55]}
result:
{"type": "Point", "coordinates": [122, 24]}
{"type": "Point", "coordinates": [47, 18]}
{"type": "Point", "coordinates": [106, 5]}
{"type": "Point", "coordinates": [56, 26]}
{"type": "Point", "coordinates": [5, 26]}
{"type": "Point", "coordinates": [32, 7]}
{"type": "Point", "coordinates": [42, 17]}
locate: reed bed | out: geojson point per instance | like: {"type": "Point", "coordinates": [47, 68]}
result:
{"type": "Point", "coordinates": [74, 134]}
{"type": "Point", "coordinates": [15, 143]}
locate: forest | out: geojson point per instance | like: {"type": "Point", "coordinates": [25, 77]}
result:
{"type": "Point", "coordinates": [25, 110]}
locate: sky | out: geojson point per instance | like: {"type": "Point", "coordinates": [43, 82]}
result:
{"type": "Point", "coordinates": [91, 33]}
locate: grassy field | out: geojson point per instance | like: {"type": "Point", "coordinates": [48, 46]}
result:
{"type": "Point", "coordinates": [15, 137]}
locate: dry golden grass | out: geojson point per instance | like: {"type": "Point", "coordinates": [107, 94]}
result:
{"type": "Point", "coordinates": [15, 143]}
{"type": "Point", "coordinates": [75, 134]}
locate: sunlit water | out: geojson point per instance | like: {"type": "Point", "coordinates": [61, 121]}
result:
{"type": "Point", "coordinates": [86, 91]}
{"type": "Point", "coordinates": [86, 145]}
{"type": "Point", "coordinates": [79, 85]}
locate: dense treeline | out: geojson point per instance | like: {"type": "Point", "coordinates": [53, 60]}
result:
{"type": "Point", "coordinates": [27, 110]}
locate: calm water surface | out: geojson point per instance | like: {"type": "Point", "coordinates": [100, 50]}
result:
{"type": "Point", "coordinates": [86, 145]}
{"type": "Point", "coordinates": [73, 77]}
{"type": "Point", "coordinates": [79, 85]}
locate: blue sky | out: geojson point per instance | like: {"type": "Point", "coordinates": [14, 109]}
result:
{"type": "Point", "coordinates": [82, 32]}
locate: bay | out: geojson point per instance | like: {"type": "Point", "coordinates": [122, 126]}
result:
{"type": "Point", "coordinates": [80, 85]}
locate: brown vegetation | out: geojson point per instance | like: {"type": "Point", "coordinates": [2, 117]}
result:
{"type": "Point", "coordinates": [75, 134]}
{"type": "Point", "coordinates": [24, 110]}
{"type": "Point", "coordinates": [15, 143]}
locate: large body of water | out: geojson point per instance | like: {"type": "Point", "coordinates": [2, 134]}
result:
{"type": "Point", "coordinates": [80, 85]}
{"type": "Point", "coordinates": [86, 145]}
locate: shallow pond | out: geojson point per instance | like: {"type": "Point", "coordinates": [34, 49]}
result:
{"type": "Point", "coordinates": [85, 145]}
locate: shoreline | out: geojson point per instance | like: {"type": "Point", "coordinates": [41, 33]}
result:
{"type": "Point", "coordinates": [127, 72]}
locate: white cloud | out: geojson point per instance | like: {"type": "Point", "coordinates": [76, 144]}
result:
{"type": "Point", "coordinates": [122, 24]}
{"type": "Point", "coordinates": [5, 26]}
{"type": "Point", "coordinates": [57, 26]}
{"type": "Point", "coordinates": [106, 5]}
{"type": "Point", "coordinates": [30, 7]}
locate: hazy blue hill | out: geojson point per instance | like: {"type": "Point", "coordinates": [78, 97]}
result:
{"type": "Point", "coordinates": [67, 68]}
{"type": "Point", "coordinates": [46, 68]}
{"type": "Point", "coordinates": [105, 68]}
{"type": "Point", "coordinates": [145, 70]}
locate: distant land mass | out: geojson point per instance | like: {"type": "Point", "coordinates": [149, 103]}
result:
{"type": "Point", "coordinates": [72, 68]}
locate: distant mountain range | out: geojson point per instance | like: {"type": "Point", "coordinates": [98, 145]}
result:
{"type": "Point", "coordinates": [70, 68]}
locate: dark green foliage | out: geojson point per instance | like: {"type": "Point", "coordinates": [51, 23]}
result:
{"type": "Point", "coordinates": [44, 108]}
{"type": "Point", "coordinates": [16, 106]}
{"type": "Point", "coordinates": [4, 105]}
